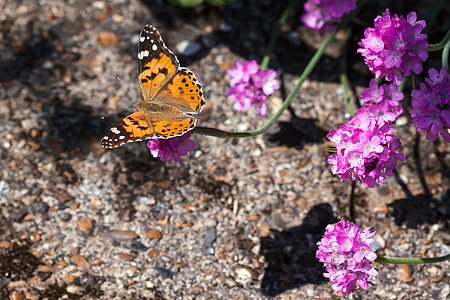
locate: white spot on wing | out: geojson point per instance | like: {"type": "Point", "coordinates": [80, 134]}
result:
{"type": "Point", "coordinates": [115, 130]}
{"type": "Point", "coordinates": [154, 47]}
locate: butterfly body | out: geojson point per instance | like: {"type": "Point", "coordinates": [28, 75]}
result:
{"type": "Point", "coordinates": [171, 96]}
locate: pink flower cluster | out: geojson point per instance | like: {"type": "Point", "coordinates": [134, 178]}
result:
{"type": "Point", "coordinates": [173, 148]}
{"type": "Point", "coordinates": [324, 15]}
{"type": "Point", "coordinates": [381, 101]}
{"type": "Point", "coordinates": [366, 150]}
{"type": "Point", "coordinates": [346, 254]}
{"type": "Point", "coordinates": [431, 106]}
{"type": "Point", "coordinates": [251, 85]}
{"type": "Point", "coordinates": [394, 46]}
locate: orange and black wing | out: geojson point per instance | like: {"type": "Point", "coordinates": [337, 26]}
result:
{"type": "Point", "coordinates": [135, 127]}
{"type": "Point", "coordinates": [184, 92]}
{"type": "Point", "coordinates": [168, 126]}
{"type": "Point", "coordinates": [157, 64]}
{"type": "Point", "coordinates": [179, 100]}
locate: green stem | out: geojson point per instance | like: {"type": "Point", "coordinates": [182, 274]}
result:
{"type": "Point", "coordinates": [410, 261]}
{"type": "Point", "coordinates": [344, 79]}
{"type": "Point", "coordinates": [445, 56]}
{"type": "Point", "coordinates": [312, 63]}
{"type": "Point", "coordinates": [276, 33]}
{"type": "Point", "coordinates": [439, 46]}
{"type": "Point", "coordinates": [403, 83]}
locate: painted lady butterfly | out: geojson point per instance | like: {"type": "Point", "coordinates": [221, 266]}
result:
{"type": "Point", "coordinates": [172, 95]}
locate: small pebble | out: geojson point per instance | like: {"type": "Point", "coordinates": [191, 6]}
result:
{"type": "Point", "coordinates": [74, 289]}
{"type": "Point", "coordinates": [146, 201]}
{"type": "Point", "coordinates": [69, 279]}
{"type": "Point", "coordinates": [405, 273]}
{"type": "Point", "coordinates": [243, 275]}
{"type": "Point", "coordinates": [131, 271]}
{"type": "Point", "coordinates": [196, 290]}
{"type": "Point", "coordinates": [107, 38]}
{"type": "Point", "coordinates": [208, 240]}
{"type": "Point", "coordinates": [15, 296]}
{"type": "Point", "coordinates": [126, 215]}
{"type": "Point", "coordinates": [80, 261]}
{"type": "Point", "coordinates": [89, 280]}
{"type": "Point", "coordinates": [153, 252]}
{"type": "Point", "coordinates": [86, 225]}
{"type": "Point", "coordinates": [153, 234]}
{"type": "Point", "coordinates": [149, 285]}
{"type": "Point", "coordinates": [122, 235]}
{"type": "Point", "coordinates": [5, 244]}
{"type": "Point", "coordinates": [128, 256]}
{"type": "Point", "coordinates": [187, 48]}
{"type": "Point", "coordinates": [379, 243]}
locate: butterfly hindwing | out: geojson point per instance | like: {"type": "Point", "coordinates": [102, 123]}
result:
{"type": "Point", "coordinates": [173, 125]}
{"type": "Point", "coordinates": [156, 63]}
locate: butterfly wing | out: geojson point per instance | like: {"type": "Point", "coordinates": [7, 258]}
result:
{"type": "Point", "coordinates": [168, 126]}
{"type": "Point", "coordinates": [157, 64]}
{"type": "Point", "coordinates": [184, 92]}
{"type": "Point", "coordinates": [135, 127]}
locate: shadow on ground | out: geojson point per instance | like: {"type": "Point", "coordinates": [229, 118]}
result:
{"type": "Point", "coordinates": [415, 210]}
{"type": "Point", "coordinates": [290, 254]}
{"type": "Point", "coordinates": [297, 132]}
{"type": "Point", "coordinates": [421, 209]}
{"type": "Point", "coordinates": [20, 266]}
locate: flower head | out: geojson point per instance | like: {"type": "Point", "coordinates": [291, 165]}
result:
{"type": "Point", "coordinates": [366, 150]}
{"type": "Point", "coordinates": [394, 46]}
{"type": "Point", "coordinates": [324, 15]}
{"type": "Point", "coordinates": [344, 250]}
{"type": "Point", "coordinates": [381, 101]}
{"type": "Point", "coordinates": [251, 85]}
{"type": "Point", "coordinates": [431, 106]}
{"type": "Point", "coordinates": [173, 148]}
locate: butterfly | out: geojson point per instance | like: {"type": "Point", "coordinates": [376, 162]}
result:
{"type": "Point", "coordinates": [172, 96]}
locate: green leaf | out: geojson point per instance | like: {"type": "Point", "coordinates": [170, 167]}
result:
{"type": "Point", "coordinates": [220, 2]}
{"type": "Point", "coordinates": [186, 3]}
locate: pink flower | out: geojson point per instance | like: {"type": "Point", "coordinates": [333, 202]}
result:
{"type": "Point", "coordinates": [173, 148]}
{"type": "Point", "coordinates": [242, 72]}
{"type": "Point", "coordinates": [431, 106]}
{"type": "Point", "coordinates": [344, 250]}
{"type": "Point", "coordinates": [381, 101]}
{"type": "Point", "coordinates": [366, 150]}
{"type": "Point", "coordinates": [266, 81]}
{"type": "Point", "coordinates": [394, 46]}
{"type": "Point", "coordinates": [373, 93]}
{"type": "Point", "coordinates": [324, 15]}
{"type": "Point", "coordinates": [251, 85]}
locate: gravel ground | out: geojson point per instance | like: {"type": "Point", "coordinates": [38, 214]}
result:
{"type": "Point", "coordinates": [236, 218]}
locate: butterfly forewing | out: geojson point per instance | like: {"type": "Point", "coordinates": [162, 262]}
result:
{"type": "Point", "coordinates": [135, 127]}
{"type": "Point", "coordinates": [157, 64]}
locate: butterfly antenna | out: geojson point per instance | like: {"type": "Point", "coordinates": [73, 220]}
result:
{"type": "Point", "coordinates": [131, 96]}
{"type": "Point", "coordinates": [123, 85]}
